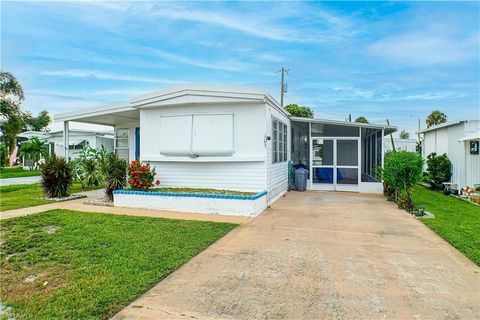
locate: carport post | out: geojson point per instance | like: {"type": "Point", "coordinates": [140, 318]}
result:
{"type": "Point", "coordinates": [65, 139]}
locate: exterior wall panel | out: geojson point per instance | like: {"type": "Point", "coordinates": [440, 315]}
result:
{"type": "Point", "coordinates": [277, 173]}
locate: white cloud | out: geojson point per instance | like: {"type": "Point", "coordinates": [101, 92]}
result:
{"type": "Point", "coordinates": [425, 49]}
{"type": "Point", "coordinates": [75, 73]}
{"type": "Point", "coordinates": [231, 65]}
{"type": "Point", "coordinates": [267, 25]}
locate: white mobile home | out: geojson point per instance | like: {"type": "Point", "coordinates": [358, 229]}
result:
{"type": "Point", "coordinates": [400, 144]}
{"type": "Point", "coordinates": [78, 140]}
{"type": "Point", "coordinates": [238, 139]}
{"type": "Point", "coordinates": [459, 140]}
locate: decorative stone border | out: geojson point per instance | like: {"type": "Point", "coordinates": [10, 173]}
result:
{"type": "Point", "coordinates": [70, 197]}
{"type": "Point", "coordinates": [192, 202]}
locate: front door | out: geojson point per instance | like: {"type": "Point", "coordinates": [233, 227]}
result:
{"type": "Point", "coordinates": [335, 164]}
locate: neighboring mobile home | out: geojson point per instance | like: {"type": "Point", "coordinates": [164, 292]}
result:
{"type": "Point", "coordinates": [400, 144]}
{"type": "Point", "coordinates": [238, 139]}
{"type": "Point", "coordinates": [460, 141]}
{"type": "Point", "coordinates": [78, 140]}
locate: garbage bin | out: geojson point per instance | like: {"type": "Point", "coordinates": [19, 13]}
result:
{"type": "Point", "coordinates": [301, 175]}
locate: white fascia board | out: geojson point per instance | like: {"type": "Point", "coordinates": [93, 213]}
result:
{"type": "Point", "coordinates": [168, 98]}
{"type": "Point", "coordinates": [198, 88]}
{"type": "Point", "coordinates": [273, 103]}
{"type": "Point", "coordinates": [442, 125]}
{"type": "Point", "coordinates": [91, 112]}
{"type": "Point", "coordinates": [345, 123]}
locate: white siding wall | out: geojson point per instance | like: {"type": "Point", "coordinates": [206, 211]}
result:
{"type": "Point", "coordinates": [244, 170]}
{"type": "Point", "coordinates": [74, 137]}
{"type": "Point", "coordinates": [241, 176]}
{"type": "Point", "coordinates": [465, 167]}
{"type": "Point", "coordinates": [106, 142]}
{"type": "Point", "coordinates": [277, 173]}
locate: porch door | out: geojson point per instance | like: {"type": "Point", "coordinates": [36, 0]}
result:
{"type": "Point", "coordinates": [323, 164]}
{"type": "Point", "coordinates": [335, 164]}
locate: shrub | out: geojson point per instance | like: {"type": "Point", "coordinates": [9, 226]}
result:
{"type": "Point", "coordinates": [140, 176]}
{"type": "Point", "coordinates": [438, 169]}
{"type": "Point", "coordinates": [56, 177]}
{"type": "Point", "coordinates": [115, 170]}
{"type": "Point", "coordinates": [88, 166]}
{"type": "Point", "coordinates": [402, 170]}
{"type": "Point", "coordinates": [3, 155]}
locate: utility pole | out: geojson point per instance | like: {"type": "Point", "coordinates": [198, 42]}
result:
{"type": "Point", "coordinates": [283, 85]}
{"type": "Point", "coordinates": [391, 138]}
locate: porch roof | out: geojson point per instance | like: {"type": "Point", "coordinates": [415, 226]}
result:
{"type": "Point", "coordinates": [388, 129]}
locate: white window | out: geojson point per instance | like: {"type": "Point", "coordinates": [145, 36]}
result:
{"type": "Point", "coordinates": [279, 141]}
{"type": "Point", "coordinates": [197, 135]}
{"type": "Point", "coordinates": [121, 143]}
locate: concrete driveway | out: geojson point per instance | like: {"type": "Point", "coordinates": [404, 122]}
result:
{"type": "Point", "coordinates": [321, 256]}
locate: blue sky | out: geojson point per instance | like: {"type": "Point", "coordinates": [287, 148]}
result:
{"type": "Point", "coordinates": [396, 60]}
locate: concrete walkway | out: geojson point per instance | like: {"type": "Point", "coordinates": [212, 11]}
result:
{"type": "Point", "coordinates": [79, 205]}
{"type": "Point", "coordinates": [22, 180]}
{"type": "Point", "coordinates": [321, 256]}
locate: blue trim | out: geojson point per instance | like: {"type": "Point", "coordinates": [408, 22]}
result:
{"type": "Point", "coordinates": [192, 195]}
{"type": "Point", "coordinates": [137, 143]}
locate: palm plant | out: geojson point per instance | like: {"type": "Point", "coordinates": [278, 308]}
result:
{"type": "Point", "coordinates": [436, 117]}
{"type": "Point", "coordinates": [91, 175]}
{"type": "Point", "coordinates": [56, 177]}
{"type": "Point", "coordinates": [115, 170]}
{"type": "Point", "coordinates": [33, 150]}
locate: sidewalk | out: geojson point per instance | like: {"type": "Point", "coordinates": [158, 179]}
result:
{"type": "Point", "coordinates": [21, 180]}
{"type": "Point", "coordinates": [78, 205]}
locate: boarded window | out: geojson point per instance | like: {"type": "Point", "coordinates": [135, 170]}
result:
{"type": "Point", "coordinates": [175, 135]}
{"type": "Point", "coordinates": [197, 135]}
{"type": "Point", "coordinates": [212, 135]}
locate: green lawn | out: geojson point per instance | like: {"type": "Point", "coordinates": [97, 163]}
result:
{"type": "Point", "coordinates": [93, 264]}
{"type": "Point", "coordinates": [17, 172]}
{"type": "Point", "coordinates": [27, 195]}
{"type": "Point", "coordinates": [457, 221]}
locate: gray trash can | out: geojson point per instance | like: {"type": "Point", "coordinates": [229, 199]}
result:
{"type": "Point", "coordinates": [301, 175]}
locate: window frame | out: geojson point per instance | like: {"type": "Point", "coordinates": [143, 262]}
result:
{"type": "Point", "coordinates": [279, 141]}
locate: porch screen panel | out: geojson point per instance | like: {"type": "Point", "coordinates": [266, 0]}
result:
{"type": "Point", "coordinates": [175, 135]}
{"type": "Point", "coordinates": [212, 135]}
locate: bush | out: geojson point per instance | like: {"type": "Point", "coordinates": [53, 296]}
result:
{"type": "Point", "coordinates": [438, 169]}
{"type": "Point", "coordinates": [56, 177]}
{"type": "Point", "coordinates": [140, 176]}
{"type": "Point", "coordinates": [3, 155]}
{"type": "Point", "coordinates": [402, 170]}
{"type": "Point", "coordinates": [88, 166]}
{"type": "Point", "coordinates": [115, 170]}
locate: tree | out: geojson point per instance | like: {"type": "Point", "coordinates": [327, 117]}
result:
{"type": "Point", "coordinates": [404, 135]}
{"type": "Point", "coordinates": [299, 111]}
{"type": "Point", "coordinates": [438, 169]}
{"type": "Point", "coordinates": [33, 150]}
{"type": "Point", "coordinates": [436, 117]}
{"type": "Point", "coordinates": [12, 117]}
{"type": "Point", "coordinates": [38, 123]}
{"type": "Point", "coordinates": [361, 120]}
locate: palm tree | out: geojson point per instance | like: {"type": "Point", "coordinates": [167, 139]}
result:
{"type": "Point", "coordinates": [436, 117]}
{"type": "Point", "coordinates": [33, 150]}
